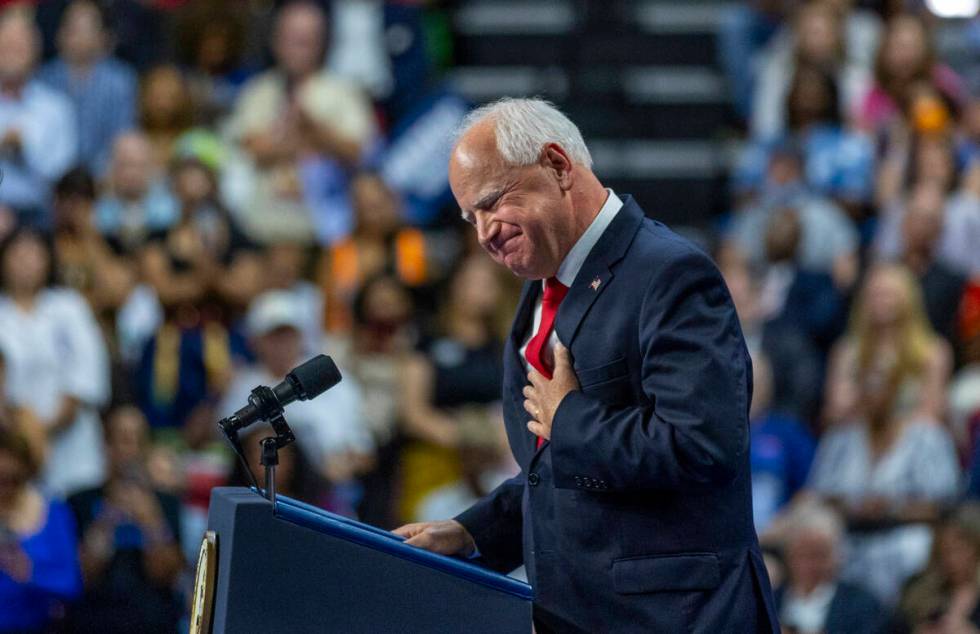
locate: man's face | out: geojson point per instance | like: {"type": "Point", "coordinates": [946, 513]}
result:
{"type": "Point", "coordinates": [81, 37]}
{"type": "Point", "coordinates": [132, 167]}
{"type": "Point", "coordinates": [18, 50]}
{"type": "Point", "coordinates": [522, 216]}
{"type": "Point", "coordinates": [298, 42]}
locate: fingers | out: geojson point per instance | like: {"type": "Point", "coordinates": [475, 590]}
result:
{"type": "Point", "coordinates": [422, 540]}
{"type": "Point", "coordinates": [409, 530]}
{"type": "Point", "coordinates": [537, 429]}
{"type": "Point", "coordinates": [536, 378]}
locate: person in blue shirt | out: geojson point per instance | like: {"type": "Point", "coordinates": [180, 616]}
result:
{"type": "Point", "coordinates": [38, 555]}
{"type": "Point", "coordinates": [781, 450]}
{"type": "Point", "coordinates": [102, 89]}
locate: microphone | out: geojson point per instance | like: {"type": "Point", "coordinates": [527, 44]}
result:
{"type": "Point", "coordinates": [304, 382]}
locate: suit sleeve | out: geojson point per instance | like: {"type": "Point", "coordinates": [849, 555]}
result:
{"type": "Point", "coordinates": [496, 524]}
{"type": "Point", "coordinates": [696, 375]}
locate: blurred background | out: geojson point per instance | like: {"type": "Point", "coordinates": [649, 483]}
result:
{"type": "Point", "coordinates": [198, 195]}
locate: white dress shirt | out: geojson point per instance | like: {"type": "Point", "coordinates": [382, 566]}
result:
{"type": "Point", "coordinates": [573, 262]}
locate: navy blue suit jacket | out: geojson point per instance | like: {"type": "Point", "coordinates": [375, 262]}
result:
{"type": "Point", "coordinates": [637, 515]}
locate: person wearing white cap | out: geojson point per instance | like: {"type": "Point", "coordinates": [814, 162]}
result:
{"type": "Point", "coordinates": [329, 429]}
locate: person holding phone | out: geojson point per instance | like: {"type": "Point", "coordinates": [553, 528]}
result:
{"type": "Point", "coordinates": [129, 540]}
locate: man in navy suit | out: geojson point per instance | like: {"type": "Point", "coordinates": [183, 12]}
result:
{"type": "Point", "coordinates": [626, 395]}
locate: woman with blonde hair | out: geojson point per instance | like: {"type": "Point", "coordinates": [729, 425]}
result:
{"type": "Point", "coordinates": [889, 363]}
{"type": "Point", "coordinates": [886, 462]}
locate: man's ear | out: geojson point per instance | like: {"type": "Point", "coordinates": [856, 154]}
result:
{"type": "Point", "coordinates": [554, 158]}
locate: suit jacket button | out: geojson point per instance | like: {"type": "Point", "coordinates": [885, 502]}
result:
{"type": "Point", "coordinates": [533, 479]}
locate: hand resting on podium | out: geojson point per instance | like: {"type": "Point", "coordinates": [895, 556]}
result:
{"type": "Point", "coordinates": [446, 537]}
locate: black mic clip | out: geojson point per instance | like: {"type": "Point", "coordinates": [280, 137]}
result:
{"type": "Point", "coordinates": [264, 400]}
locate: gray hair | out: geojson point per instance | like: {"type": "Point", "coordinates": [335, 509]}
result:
{"type": "Point", "coordinates": [523, 126]}
{"type": "Point", "coordinates": [811, 516]}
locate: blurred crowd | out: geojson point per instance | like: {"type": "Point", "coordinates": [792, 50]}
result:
{"type": "Point", "coordinates": [198, 196]}
{"type": "Point", "coordinates": [852, 251]}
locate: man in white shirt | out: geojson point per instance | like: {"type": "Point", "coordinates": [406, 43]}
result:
{"type": "Point", "coordinates": [38, 139]}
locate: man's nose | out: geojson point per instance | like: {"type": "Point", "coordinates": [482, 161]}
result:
{"type": "Point", "coordinates": [483, 228]}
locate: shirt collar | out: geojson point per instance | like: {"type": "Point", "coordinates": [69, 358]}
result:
{"type": "Point", "coordinates": [573, 262]}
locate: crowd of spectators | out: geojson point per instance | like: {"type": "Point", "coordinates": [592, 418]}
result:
{"type": "Point", "coordinates": [851, 253]}
{"type": "Point", "coordinates": [197, 196]}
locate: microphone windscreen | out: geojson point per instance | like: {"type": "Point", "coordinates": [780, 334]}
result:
{"type": "Point", "coordinates": [315, 377]}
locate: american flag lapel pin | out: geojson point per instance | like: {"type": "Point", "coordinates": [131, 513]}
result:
{"type": "Point", "coordinates": [595, 284]}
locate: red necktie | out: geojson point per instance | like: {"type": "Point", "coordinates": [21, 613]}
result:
{"type": "Point", "coordinates": [537, 353]}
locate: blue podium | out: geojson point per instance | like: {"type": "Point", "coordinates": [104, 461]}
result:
{"type": "Point", "coordinates": [296, 568]}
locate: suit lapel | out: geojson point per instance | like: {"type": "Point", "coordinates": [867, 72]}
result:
{"type": "Point", "coordinates": [596, 272]}
{"type": "Point", "coordinates": [524, 317]}
{"type": "Point", "coordinates": [523, 321]}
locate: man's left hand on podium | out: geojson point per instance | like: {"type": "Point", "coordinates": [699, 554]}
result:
{"type": "Point", "coordinates": [446, 537]}
{"type": "Point", "coordinates": [543, 395]}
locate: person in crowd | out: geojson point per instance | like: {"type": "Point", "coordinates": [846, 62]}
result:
{"type": "Point", "coordinates": [38, 135]}
{"type": "Point", "coordinates": [138, 201]}
{"type": "Point", "coordinates": [931, 163]}
{"type": "Point", "coordinates": [103, 90]}
{"type": "Point", "coordinates": [886, 461]}
{"type": "Point", "coordinates": [57, 362]}
{"type": "Point", "coordinates": [299, 129]}
{"type": "Point", "coordinates": [202, 266]}
{"type": "Point", "coordinates": [780, 446]}
{"type": "Point", "coordinates": [165, 111]}
{"type": "Point", "coordinates": [193, 257]}
{"type": "Point", "coordinates": [838, 163]}
{"type": "Point", "coordinates": [744, 31]}
{"type": "Point", "coordinates": [39, 569]}
{"type": "Point", "coordinates": [285, 268]}
{"type": "Point", "coordinates": [380, 243]}
{"type": "Point", "coordinates": [451, 388]}
{"type": "Point", "coordinates": [23, 422]}
{"type": "Point", "coordinates": [890, 348]}
{"type": "Point", "coordinates": [188, 463]}
{"type": "Point", "coordinates": [906, 59]}
{"type": "Point", "coordinates": [382, 338]}
{"type": "Point", "coordinates": [188, 360]}
{"type": "Point", "coordinates": [85, 260]}
{"type": "Point", "coordinates": [945, 598]}
{"type": "Point", "coordinates": [796, 365]}
{"type": "Point", "coordinates": [941, 286]}
{"type": "Point", "coordinates": [210, 45]}
{"type": "Point", "coordinates": [829, 241]}
{"type": "Point", "coordinates": [329, 429]}
{"type": "Point", "coordinates": [964, 390]}
{"type": "Point", "coordinates": [819, 38]}
{"type": "Point", "coordinates": [814, 599]}
{"type": "Point", "coordinates": [129, 540]}
{"type": "Point", "coordinates": [140, 29]}
{"type": "Point", "coordinates": [798, 299]}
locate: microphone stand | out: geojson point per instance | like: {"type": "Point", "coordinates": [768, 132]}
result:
{"type": "Point", "coordinates": [265, 398]}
